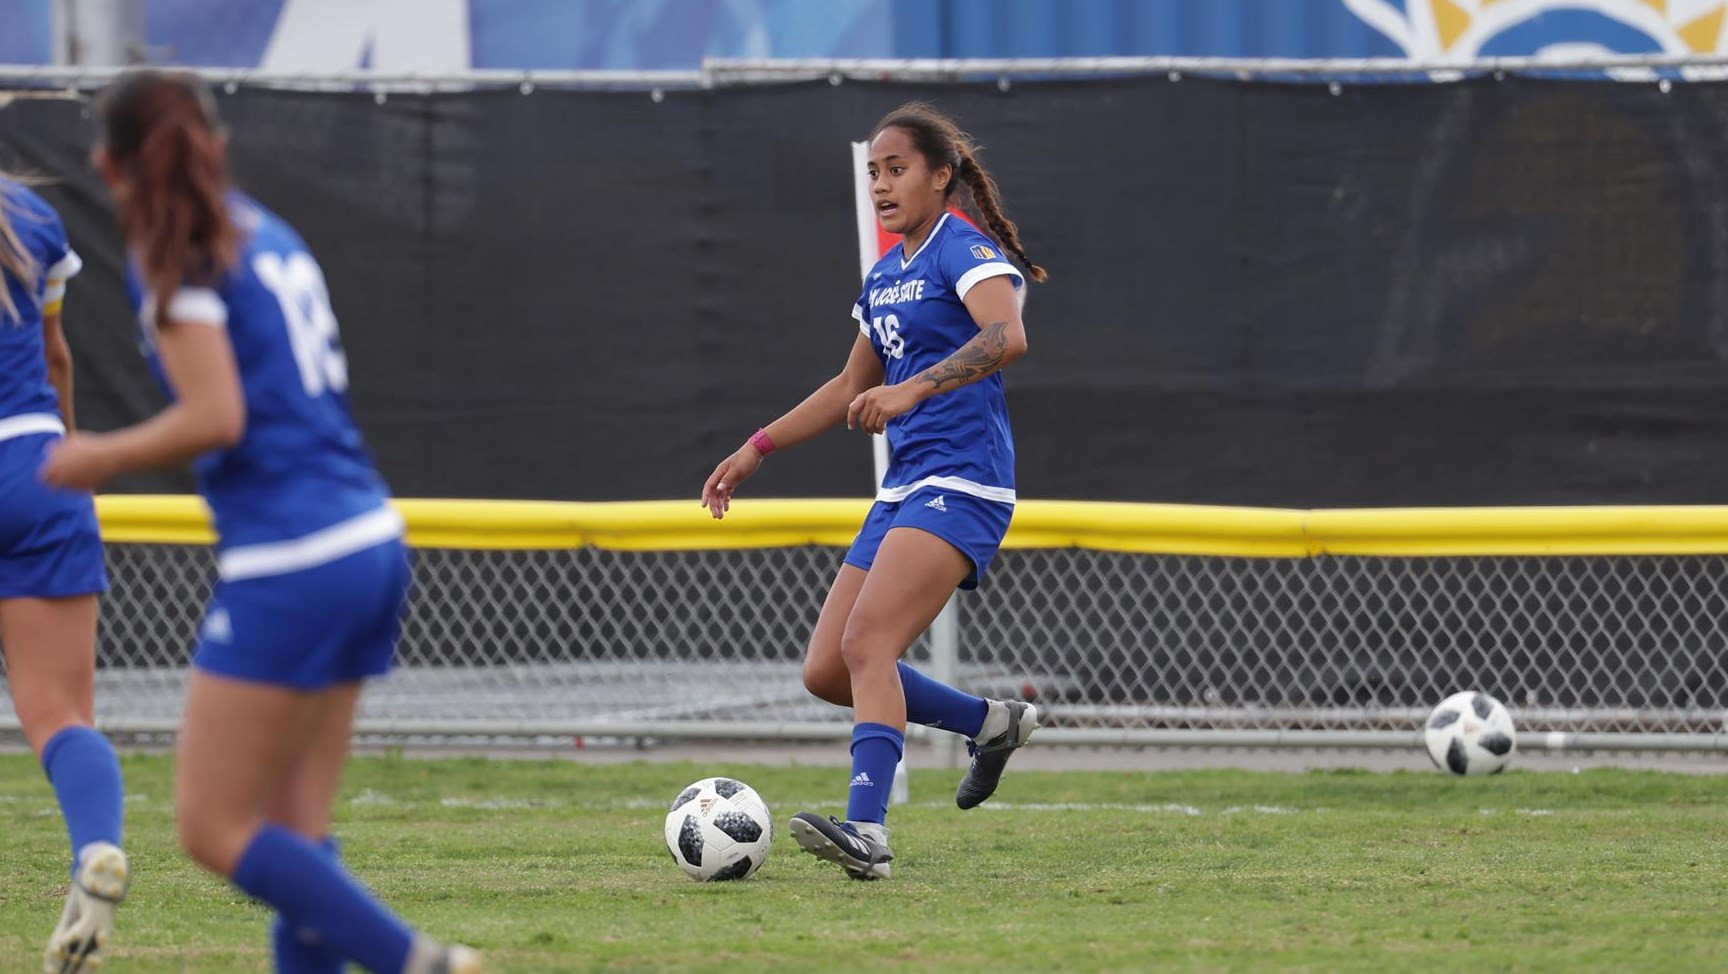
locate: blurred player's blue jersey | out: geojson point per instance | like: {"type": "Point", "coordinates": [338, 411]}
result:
{"type": "Point", "coordinates": [50, 546]}
{"type": "Point", "coordinates": [24, 388]}
{"type": "Point", "coordinates": [299, 489]}
{"type": "Point", "coordinates": [913, 313]}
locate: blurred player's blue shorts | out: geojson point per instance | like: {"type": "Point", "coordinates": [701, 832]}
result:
{"type": "Point", "coordinates": [309, 629]}
{"type": "Point", "coordinates": [50, 546]}
{"type": "Point", "coordinates": [972, 525]}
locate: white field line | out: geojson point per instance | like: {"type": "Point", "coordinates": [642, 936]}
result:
{"type": "Point", "coordinates": [371, 797]}
{"type": "Point", "coordinates": [498, 802]}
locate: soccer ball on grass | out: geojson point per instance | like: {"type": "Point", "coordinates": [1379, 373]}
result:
{"type": "Point", "coordinates": [1470, 733]}
{"type": "Point", "coordinates": [719, 829]}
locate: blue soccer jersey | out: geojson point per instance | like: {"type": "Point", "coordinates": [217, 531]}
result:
{"type": "Point", "coordinates": [28, 403]}
{"type": "Point", "coordinates": [912, 311]}
{"type": "Point", "coordinates": [299, 489]}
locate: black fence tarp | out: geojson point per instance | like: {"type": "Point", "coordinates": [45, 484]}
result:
{"type": "Point", "coordinates": [1488, 292]}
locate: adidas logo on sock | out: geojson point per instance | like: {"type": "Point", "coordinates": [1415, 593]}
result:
{"type": "Point", "coordinates": [862, 780]}
{"type": "Point", "coordinates": [939, 504]}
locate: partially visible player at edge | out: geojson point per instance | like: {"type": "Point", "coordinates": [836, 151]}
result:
{"type": "Point", "coordinates": [51, 575]}
{"type": "Point", "coordinates": [938, 320]}
{"type": "Point", "coordinates": [312, 571]}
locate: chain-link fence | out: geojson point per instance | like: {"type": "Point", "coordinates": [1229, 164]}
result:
{"type": "Point", "coordinates": [694, 643]}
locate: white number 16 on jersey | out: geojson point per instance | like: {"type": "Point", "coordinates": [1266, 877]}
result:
{"type": "Point", "coordinates": [299, 287]}
{"type": "Point", "coordinates": [888, 333]}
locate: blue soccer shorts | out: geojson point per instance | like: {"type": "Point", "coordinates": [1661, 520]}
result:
{"type": "Point", "coordinates": [310, 629]}
{"type": "Point", "coordinates": [50, 545]}
{"type": "Point", "coordinates": [973, 525]}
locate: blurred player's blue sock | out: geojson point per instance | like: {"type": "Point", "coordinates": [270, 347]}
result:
{"type": "Point", "coordinates": [81, 766]}
{"type": "Point", "coordinates": [936, 704]}
{"type": "Point", "coordinates": [876, 750]}
{"type": "Point", "coordinates": [314, 893]}
{"type": "Point", "coordinates": [298, 950]}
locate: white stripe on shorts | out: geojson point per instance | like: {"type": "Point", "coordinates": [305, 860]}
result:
{"type": "Point", "coordinates": [958, 485]}
{"type": "Point", "coordinates": [318, 548]}
{"type": "Point", "coordinates": [27, 424]}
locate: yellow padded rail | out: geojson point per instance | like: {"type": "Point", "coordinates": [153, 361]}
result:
{"type": "Point", "coordinates": [1143, 528]}
{"type": "Point", "coordinates": [1521, 531]}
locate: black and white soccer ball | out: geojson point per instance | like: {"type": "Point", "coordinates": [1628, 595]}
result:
{"type": "Point", "coordinates": [719, 828]}
{"type": "Point", "coordinates": [1470, 733]}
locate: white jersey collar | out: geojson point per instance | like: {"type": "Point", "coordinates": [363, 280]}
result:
{"type": "Point", "coordinates": [906, 262]}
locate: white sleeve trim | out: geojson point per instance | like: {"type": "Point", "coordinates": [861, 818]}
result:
{"type": "Point", "coordinates": [198, 306]}
{"type": "Point", "coordinates": [858, 316]}
{"type": "Point", "coordinates": [984, 272]}
{"type": "Point", "coordinates": [63, 270]}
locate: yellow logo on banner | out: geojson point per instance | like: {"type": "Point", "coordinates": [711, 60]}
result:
{"type": "Point", "coordinates": [1440, 29]}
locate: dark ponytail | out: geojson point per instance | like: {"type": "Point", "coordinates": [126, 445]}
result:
{"type": "Point", "coordinates": [941, 143]}
{"type": "Point", "coordinates": [160, 130]}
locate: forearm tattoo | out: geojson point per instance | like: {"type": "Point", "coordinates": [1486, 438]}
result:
{"type": "Point", "coordinates": [974, 360]}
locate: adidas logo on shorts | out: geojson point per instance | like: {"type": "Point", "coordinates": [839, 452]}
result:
{"type": "Point", "coordinates": [217, 627]}
{"type": "Point", "coordinates": [939, 504]}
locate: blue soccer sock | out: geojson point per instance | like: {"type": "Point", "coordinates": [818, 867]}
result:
{"type": "Point", "coordinates": [298, 950]}
{"type": "Point", "coordinates": [876, 750]}
{"type": "Point", "coordinates": [313, 893]}
{"type": "Point", "coordinates": [936, 704]}
{"type": "Point", "coordinates": [85, 773]}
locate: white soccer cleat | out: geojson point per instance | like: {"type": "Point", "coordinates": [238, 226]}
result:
{"type": "Point", "coordinates": [462, 960]}
{"type": "Point", "coordinates": [428, 956]}
{"type": "Point", "coordinates": [87, 922]}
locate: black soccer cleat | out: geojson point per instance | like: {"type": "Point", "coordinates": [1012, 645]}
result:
{"type": "Point", "coordinates": [862, 855]}
{"type": "Point", "coordinates": [990, 757]}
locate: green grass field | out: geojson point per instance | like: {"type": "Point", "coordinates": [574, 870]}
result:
{"type": "Point", "coordinates": [555, 866]}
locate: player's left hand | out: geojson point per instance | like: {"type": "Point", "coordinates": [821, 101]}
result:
{"type": "Point", "coordinates": [873, 408]}
{"type": "Point", "coordinates": [82, 461]}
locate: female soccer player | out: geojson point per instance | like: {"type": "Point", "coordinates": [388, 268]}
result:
{"type": "Point", "coordinates": [312, 572]}
{"type": "Point", "coordinates": [938, 320]}
{"type": "Point", "coordinates": [51, 574]}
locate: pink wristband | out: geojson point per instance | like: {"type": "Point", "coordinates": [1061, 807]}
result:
{"type": "Point", "coordinates": [761, 442]}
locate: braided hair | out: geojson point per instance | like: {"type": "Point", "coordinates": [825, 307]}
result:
{"type": "Point", "coordinates": [941, 143]}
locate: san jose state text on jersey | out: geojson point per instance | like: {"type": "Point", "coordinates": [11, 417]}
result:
{"type": "Point", "coordinates": [913, 311]}
{"type": "Point", "coordinates": [299, 488]}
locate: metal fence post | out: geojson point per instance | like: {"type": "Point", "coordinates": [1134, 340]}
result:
{"type": "Point", "coordinates": [945, 666]}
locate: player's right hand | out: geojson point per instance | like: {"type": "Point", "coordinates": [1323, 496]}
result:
{"type": "Point", "coordinates": [732, 471]}
{"type": "Point", "coordinates": [80, 461]}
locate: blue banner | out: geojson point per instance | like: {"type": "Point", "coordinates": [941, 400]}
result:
{"type": "Point", "coordinates": [453, 35]}
{"type": "Point", "coordinates": [26, 31]}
